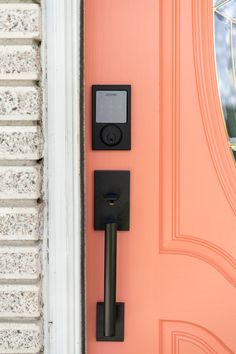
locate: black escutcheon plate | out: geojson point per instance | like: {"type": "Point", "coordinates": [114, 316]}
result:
{"type": "Point", "coordinates": [111, 199]}
{"type": "Point", "coordinates": [120, 314]}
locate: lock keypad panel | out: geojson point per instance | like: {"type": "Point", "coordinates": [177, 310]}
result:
{"type": "Point", "coordinates": [111, 106]}
{"type": "Point", "coordinates": [111, 117]}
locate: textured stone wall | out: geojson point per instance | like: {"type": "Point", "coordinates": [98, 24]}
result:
{"type": "Point", "coordinates": [21, 177]}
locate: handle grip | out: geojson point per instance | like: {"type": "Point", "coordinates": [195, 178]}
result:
{"type": "Point", "coordinates": [112, 214]}
{"type": "Point", "coordinates": [110, 280]}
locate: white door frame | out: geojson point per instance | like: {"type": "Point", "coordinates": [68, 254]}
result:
{"type": "Point", "coordinates": [65, 179]}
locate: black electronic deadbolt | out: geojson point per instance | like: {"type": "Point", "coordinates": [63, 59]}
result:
{"type": "Point", "coordinates": [111, 117]}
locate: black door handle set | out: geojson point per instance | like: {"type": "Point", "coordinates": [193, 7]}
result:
{"type": "Point", "coordinates": [111, 130]}
{"type": "Point", "coordinates": [111, 214]}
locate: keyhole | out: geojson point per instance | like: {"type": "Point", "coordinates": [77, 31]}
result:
{"type": "Point", "coordinates": [111, 135]}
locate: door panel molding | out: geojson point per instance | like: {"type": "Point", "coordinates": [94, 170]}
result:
{"type": "Point", "coordinates": [172, 241]}
{"type": "Point", "coordinates": [172, 333]}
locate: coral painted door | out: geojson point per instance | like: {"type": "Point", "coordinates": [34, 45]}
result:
{"type": "Point", "coordinates": [176, 268]}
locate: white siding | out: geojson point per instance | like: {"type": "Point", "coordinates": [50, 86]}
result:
{"type": "Point", "coordinates": [22, 164]}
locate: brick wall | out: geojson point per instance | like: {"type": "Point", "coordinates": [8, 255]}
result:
{"type": "Point", "coordinates": [21, 178]}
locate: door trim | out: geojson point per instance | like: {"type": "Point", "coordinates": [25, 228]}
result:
{"type": "Point", "coordinates": [65, 176]}
{"type": "Point", "coordinates": [172, 240]}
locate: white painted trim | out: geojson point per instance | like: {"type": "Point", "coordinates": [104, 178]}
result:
{"type": "Point", "coordinates": [64, 225]}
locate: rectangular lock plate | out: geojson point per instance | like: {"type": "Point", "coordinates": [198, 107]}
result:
{"type": "Point", "coordinates": [111, 117]}
{"type": "Point", "coordinates": [111, 199]}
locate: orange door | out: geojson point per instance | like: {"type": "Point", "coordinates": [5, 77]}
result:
{"type": "Point", "coordinates": [176, 270]}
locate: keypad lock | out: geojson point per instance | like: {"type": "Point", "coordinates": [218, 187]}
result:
{"type": "Point", "coordinates": [111, 117]}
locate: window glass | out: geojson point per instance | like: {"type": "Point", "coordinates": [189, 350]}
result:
{"type": "Point", "coordinates": [225, 50]}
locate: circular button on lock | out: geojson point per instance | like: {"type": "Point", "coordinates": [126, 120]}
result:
{"type": "Point", "coordinates": [111, 135]}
